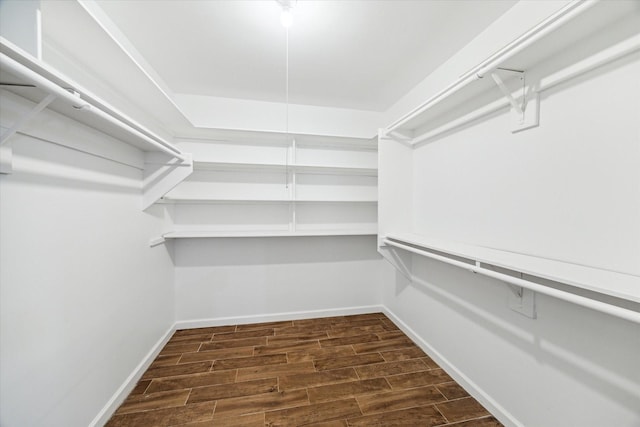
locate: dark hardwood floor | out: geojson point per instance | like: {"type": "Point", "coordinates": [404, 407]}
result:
{"type": "Point", "coordinates": [340, 371]}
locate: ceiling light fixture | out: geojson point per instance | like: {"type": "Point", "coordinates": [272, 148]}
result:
{"type": "Point", "coordinates": [286, 17]}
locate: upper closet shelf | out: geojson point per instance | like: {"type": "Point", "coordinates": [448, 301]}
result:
{"type": "Point", "coordinates": [475, 93]}
{"type": "Point", "coordinates": [30, 78]}
{"type": "Point", "coordinates": [281, 167]}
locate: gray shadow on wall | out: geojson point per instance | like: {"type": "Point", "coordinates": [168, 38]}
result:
{"type": "Point", "coordinates": [273, 250]}
{"type": "Point", "coordinates": [599, 363]}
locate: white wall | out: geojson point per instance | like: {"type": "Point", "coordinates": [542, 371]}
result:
{"type": "Point", "coordinates": [20, 24]}
{"type": "Point", "coordinates": [250, 115]}
{"type": "Point", "coordinates": [83, 299]}
{"type": "Point", "coordinates": [511, 25]}
{"type": "Point", "coordinates": [567, 190]}
{"type": "Point", "coordinates": [222, 281]}
{"type": "Point", "coordinates": [569, 367]}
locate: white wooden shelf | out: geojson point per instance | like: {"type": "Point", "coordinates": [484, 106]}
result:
{"type": "Point", "coordinates": [615, 284]}
{"type": "Point", "coordinates": [192, 200]}
{"type": "Point", "coordinates": [282, 167]}
{"type": "Point", "coordinates": [261, 186]}
{"type": "Point", "coordinates": [32, 79]}
{"type": "Point", "coordinates": [474, 94]}
{"type": "Point", "coordinates": [267, 233]}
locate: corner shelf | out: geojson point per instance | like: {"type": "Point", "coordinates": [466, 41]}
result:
{"type": "Point", "coordinates": [473, 95]}
{"type": "Point", "coordinates": [264, 187]}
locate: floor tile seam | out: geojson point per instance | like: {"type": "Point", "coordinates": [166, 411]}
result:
{"type": "Point", "coordinates": [145, 389]}
{"type": "Point", "coordinates": [210, 418]}
{"type": "Point", "coordinates": [265, 411]}
{"type": "Point", "coordinates": [235, 338]}
{"type": "Point", "coordinates": [322, 384]}
{"type": "Point", "coordinates": [426, 405]}
{"type": "Point", "coordinates": [350, 396]}
{"type": "Point", "coordinates": [150, 409]}
{"type": "Point", "coordinates": [410, 373]}
{"type": "Point", "coordinates": [454, 423]}
{"type": "Point", "coordinates": [271, 391]}
{"type": "Point", "coordinates": [463, 397]}
{"type": "Point", "coordinates": [421, 386]}
{"type": "Point", "coordinates": [188, 396]}
{"type": "Point", "coordinates": [251, 357]}
{"type": "Point", "coordinates": [200, 386]}
{"type": "Point", "coordinates": [178, 375]}
{"type": "Point", "coordinates": [435, 405]}
{"type": "Point", "coordinates": [393, 375]}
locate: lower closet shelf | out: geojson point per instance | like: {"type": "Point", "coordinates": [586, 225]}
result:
{"type": "Point", "coordinates": [606, 282]}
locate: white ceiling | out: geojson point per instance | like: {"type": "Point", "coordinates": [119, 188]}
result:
{"type": "Point", "coordinates": [354, 54]}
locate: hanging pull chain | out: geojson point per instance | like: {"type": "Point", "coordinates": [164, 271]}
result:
{"type": "Point", "coordinates": [286, 128]}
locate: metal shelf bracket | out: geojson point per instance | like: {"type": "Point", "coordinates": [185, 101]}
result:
{"type": "Point", "coordinates": [524, 114]}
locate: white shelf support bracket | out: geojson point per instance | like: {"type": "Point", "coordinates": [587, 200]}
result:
{"type": "Point", "coordinates": [162, 174]}
{"type": "Point", "coordinates": [401, 260]}
{"type": "Point", "coordinates": [6, 151]}
{"type": "Point", "coordinates": [522, 300]}
{"type": "Point", "coordinates": [524, 114]}
{"type": "Point", "coordinates": [507, 93]}
{"type": "Point", "coordinates": [156, 241]}
{"type": "Point", "coordinates": [25, 118]}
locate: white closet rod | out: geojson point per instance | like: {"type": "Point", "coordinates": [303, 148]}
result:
{"type": "Point", "coordinates": [606, 56]}
{"type": "Point", "coordinates": [612, 310]}
{"type": "Point", "coordinates": [41, 82]}
{"type": "Point", "coordinates": [547, 26]}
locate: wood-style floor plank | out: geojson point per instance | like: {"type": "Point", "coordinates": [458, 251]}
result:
{"type": "Point", "coordinates": [347, 389]}
{"type": "Point", "coordinates": [226, 391]}
{"type": "Point", "coordinates": [401, 399]}
{"type": "Point", "coordinates": [165, 417]}
{"type": "Point", "coordinates": [260, 403]}
{"type": "Point", "coordinates": [423, 416]}
{"type": "Point", "coordinates": [191, 381]}
{"type": "Point", "coordinates": [328, 372]}
{"type": "Point", "coordinates": [463, 409]}
{"type": "Point", "coordinates": [321, 412]}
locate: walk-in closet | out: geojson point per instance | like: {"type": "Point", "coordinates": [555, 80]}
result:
{"type": "Point", "coordinates": [319, 213]}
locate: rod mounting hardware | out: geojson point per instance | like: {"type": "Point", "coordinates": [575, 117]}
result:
{"type": "Point", "coordinates": [518, 107]}
{"type": "Point", "coordinates": [525, 113]}
{"type": "Point", "coordinates": [26, 117]}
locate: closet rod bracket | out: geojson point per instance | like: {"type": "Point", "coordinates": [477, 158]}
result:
{"type": "Point", "coordinates": [26, 118]}
{"type": "Point", "coordinates": [524, 113]}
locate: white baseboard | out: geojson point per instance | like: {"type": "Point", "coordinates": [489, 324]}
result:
{"type": "Point", "coordinates": [127, 386]}
{"type": "Point", "coordinates": [310, 314]}
{"type": "Point", "coordinates": [478, 393]}
{"type": "Point", "coordinates": [474, 390]}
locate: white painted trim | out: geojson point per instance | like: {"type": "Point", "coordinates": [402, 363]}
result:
{"type": "Point", "coordinates": [477, 392]}
{"type": "Point", "coordinates": [474, 390]}
{"type": "Point", "coordinates": [127, 386]}
{"type": "Point", "coordinates": [276, 317]}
